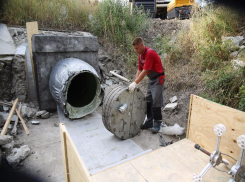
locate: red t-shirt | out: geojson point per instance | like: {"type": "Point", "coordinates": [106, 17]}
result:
{"type": "Point", "coordinates": [151, 61]}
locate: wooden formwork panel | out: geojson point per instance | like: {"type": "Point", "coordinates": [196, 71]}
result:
{"type": "Point", "coordinates": [74, 167]}
{"type": "Point", "coordinates": [204, 115]}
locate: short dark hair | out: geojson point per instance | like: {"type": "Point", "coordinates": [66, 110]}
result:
{"type": "Point", "coordinates": [138, 41]}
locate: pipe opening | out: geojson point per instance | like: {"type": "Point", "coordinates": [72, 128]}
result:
{"type": "Point", "coordinates": [82, 89]}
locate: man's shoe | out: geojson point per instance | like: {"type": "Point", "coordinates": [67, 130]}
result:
{"type": "Point", "coordinates": [156, 126]}
{"type": "Point", "coordinates": [147, 124]}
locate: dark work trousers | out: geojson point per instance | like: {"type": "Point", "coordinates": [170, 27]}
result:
{"type": "Point", "coordinates": [155, 97]}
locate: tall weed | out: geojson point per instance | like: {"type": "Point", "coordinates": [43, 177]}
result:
{"type": "Point", "coordinates": [60, 14]}
{"type": "Point", "coordinates": [115, 22]}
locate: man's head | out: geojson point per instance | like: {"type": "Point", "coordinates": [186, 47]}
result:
{"type": "Point", "coordinates": [139, 46]}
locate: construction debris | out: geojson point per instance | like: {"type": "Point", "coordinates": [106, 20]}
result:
{"type": "Point", "coordinates": [170, 107]}
{"type": "Point", "coordinates": [173, 99]}
{"type": "Point", "coordinates": [35, 122]}
{"type": "Point", "coordinates": [5, 116]}
{"type": "Point", "coordinates": [17, 155]}
{"type": "Point", "coordinates": [4, 139]}
{"type": "Point", "coordinates": [7, 148]}
{"type": "Point", "coordinates": [172, 130]}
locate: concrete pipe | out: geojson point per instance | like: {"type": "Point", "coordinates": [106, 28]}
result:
{"type": "Point", "coordinates": [123, 113]}
{"type": "Point", "coordinates": [75, 87]}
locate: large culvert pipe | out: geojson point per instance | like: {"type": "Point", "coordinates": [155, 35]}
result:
{"type": "Point", "coordinates": [75, 87]}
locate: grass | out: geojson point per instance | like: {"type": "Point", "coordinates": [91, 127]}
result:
{"type": "Point", "coordinates": [60, 14]}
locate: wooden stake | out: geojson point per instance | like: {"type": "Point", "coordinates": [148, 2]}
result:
{"type": "Point", "coordinates": [16, 121]}
{"type": "Point", "coordinates": [22, 121]}
{"type": "Point", "coordinates": [5, 128]}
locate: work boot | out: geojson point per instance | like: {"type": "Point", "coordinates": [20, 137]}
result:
{"type": "Point", "coordinates": [149, 121]}
{"type": "Point", "coordinates": [157, 115]}
{"type": "Point", "coordinates": [147, 124]}
{"type": "Point", "coordinates": [156, 126]}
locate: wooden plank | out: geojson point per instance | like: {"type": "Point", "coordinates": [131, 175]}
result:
{"type": "Point", "coordinates": [74, 164]}
{"type": "Point", "coordinates": [5, 128]}
{"type": "Point", "coordinates": [22, 121]}
{"type": "Point", "coordinates": [205, 115]}
{"type": "Point", "coordinates": [175, 163]}
{"type": "Point", "coordinates": [189, 117]}
{"type": "Point", "coordinates": [31, 29]}
{"type": "Point", "coordinates": [64, 151]}
{"type": "Point", "coordinates": [13, 132]}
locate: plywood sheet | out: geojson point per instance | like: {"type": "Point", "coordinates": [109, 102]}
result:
{"type": "Point", "coordinates": [72, 160]}
{"type": "Point", "coordinates": [205, 115]}
{"type": "Point", "coordinates": [175, 163]}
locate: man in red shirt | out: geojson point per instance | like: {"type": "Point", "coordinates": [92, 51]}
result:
{"type": "Point", "coordinates": [150, 64]}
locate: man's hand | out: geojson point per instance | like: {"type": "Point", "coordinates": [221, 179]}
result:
{"type": "Point", "coordinates": [131, 87]}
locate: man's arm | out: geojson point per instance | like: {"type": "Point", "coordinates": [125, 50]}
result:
{"type": "Point", "coordinates": [138, 73]}
{"type": "Point", "coordinates": [140, 76]}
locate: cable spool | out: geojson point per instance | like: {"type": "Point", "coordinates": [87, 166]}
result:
{"type": "Point", "coordinates": [123, 113]}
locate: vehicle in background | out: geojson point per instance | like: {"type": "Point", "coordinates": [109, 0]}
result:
{"type": "Point", "coordinates": [148, 5]}
{"type": "Point", "coordinates": [157, 8]}
{"type": "Point", "coordinates": [179, 9]}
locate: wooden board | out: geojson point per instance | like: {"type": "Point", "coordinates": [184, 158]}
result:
{"type": "Point", "coordinates": [31, 28]}
{"type": "Point", "coordinates": [205, 115]}
{"type": "Point", "coordinates": [74, 167]}
{"type": "Point", "coordinates": [175, 163]}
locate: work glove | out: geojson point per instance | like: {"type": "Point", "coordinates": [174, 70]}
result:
{"type": "Point", "coordinates": [131, 87]}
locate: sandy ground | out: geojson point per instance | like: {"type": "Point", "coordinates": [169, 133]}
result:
{"type": "Point", "coordinates": [45, 160]}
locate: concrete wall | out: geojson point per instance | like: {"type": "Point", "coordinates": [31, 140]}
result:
{"type": "Point", "coordinates": [48, 50]}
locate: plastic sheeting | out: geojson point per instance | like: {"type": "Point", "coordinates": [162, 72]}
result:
{"type": "Point", "coordinates": [75, 86]}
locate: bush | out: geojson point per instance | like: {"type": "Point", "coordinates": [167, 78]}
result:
{"type": "Point", "coordinates": [227, 86]}
{"type": "Point", "coordinates": [115, 22]}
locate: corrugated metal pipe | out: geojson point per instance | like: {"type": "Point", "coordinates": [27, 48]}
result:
{"type": "Point", "coordinates": [75, 86]}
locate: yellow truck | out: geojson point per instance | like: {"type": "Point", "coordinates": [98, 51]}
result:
{"type": "Point", "coordinates": [179, 9]}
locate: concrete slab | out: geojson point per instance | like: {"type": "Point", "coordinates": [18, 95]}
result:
{"type": "Point", "coordinates": [97, 146]}
{"type": "Point", "coordinates": [7, 45]}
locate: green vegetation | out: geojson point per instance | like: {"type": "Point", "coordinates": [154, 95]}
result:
{"type": "Point", "coordinates": [60, 14]}
{"type": "Point", "coordinates": [111, 20]}
{"type": "Point", "coordinates": [202, 45]}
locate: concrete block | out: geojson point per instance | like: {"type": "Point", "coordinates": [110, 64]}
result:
{"type": "Point", "coordinates": [170, 107]}
{"type": "Point", "coordinates": [17, 155]}
{"type": "Point", "coordinates": [173, 99]}
{"type": "Point", "coordinates": [45, 116]}
{"type": "Point", "coordinates": [7, 148]}
{"type": "Point", "coordinates": [5, 116]}
{"type": "Point", "coordinates": [7, 45]}
{"type": "Point", "coordinates": [21, 50]}
{"type": "Point", "coordinates": [39, 113]}
{"type": "Point", "coordinates": [4, 139]}
{"type": "Point", "coordinates": [53, 43]}
{"type": "Point", "coordinates": [48, 50]}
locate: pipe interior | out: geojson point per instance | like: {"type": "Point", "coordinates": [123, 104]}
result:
{"type": "Point", "coordinates": [82, 90]}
